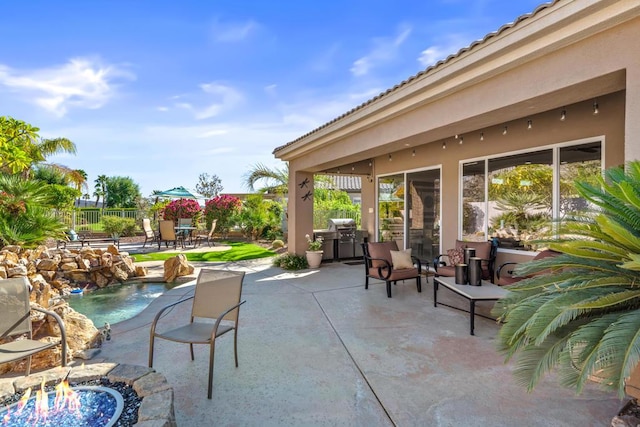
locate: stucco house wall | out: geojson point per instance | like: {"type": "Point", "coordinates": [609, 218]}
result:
{"type": "Point", "coordinates": [566, 55]}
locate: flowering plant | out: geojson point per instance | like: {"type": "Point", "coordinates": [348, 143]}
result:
{"type": "Point", "coordinates": [222, 208]}
{"type": "Point", "coordinates": [182, 208]}
{"type": "Point", "coordinates": [314, 245]}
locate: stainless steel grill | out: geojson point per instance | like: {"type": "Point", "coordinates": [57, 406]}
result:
{"type": "Point", "coordinates": [341, 239]}
{"type": "Point", "coordinates": [346, 231]}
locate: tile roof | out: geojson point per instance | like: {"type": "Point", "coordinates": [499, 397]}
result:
{"type": "Point", "coordinates": [348, 183]}
{"type": "Point", "coordinates": [427, 70]}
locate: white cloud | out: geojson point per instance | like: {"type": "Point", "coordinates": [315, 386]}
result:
{"type": "Point", "coordinates": [384, 50]}
{"type": "Point", "coordinates": [271, 90]}
{"type": "Point", "coordinates": [80, 83]}
{"type": "Point", "coordinates": [226, 98]}
{"type": "Point", "coordinates": [451, 44]}
{"type": "Point", "coordinates": [233, 32]}
{"type": "Point", "coordinates": [162, 108]}
{"type": "Point", "coordinates": [432, 55]}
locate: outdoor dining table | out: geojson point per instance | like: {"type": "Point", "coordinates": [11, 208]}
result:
{"type": "Point", "coordinates": [184, 231]}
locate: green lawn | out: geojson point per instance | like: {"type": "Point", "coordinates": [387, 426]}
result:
{"type": "Point", "coordinates": [239, 251]}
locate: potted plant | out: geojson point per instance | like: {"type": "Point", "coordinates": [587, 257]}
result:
{"type": "Point", "coordinates": [314, 251]}
{"type": "Point", "coordinates": [580, 311]}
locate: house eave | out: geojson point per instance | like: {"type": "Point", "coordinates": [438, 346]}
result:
{"type": "Point", "coordinates": [549, 28]}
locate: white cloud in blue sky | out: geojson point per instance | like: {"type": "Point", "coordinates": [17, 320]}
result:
{"type": "Point", "coordinates": [170, 90]}
{"type": "Point", "coordinates": [78, 83]}
{"type": "Point", "coordinates": [385, 49]}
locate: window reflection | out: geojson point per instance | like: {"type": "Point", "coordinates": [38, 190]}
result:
{"type": "Point", "coordinates": [520, 196]}
{"type": "Point", "coordinates": [391, 209]}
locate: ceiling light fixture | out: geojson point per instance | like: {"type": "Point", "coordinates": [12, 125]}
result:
{"type": "Point", "coordinates": [481, 136]}
{"type": "Point", "coordinates": [389, 157]}
{"type": "Point", "coordinates": [444, 145]}
{"type": "Point", "coordinates": [529, 124]}
{"type": "Point", "coordinates": [504, 131]}
{"type": "Point", "coordinates": [413, 153]}
{"type": "Point", "coordinates": [461, 139]}
{"type": "Point", "coordinates": [563, 115]}
{"type": "Point", "coordinates": [595, 108]}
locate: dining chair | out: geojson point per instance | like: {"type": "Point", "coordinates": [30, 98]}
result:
{"type": "Point", "coordinates": [214, 312]}
{"type": "Point", "coordinates": [208, 237]}
{"type": "Point", "coordinates": [16, 321]}
{"type": "Point", "coordinates": [149, 233]}
{"type": "Point", "coordinates": [167, 233]}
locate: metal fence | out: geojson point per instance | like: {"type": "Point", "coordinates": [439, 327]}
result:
{"type": "Point", "coordinates": [321, 217]}
{"type": "Point", "coordinates": [89, 219]}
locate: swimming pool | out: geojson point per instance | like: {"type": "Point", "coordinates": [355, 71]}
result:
{"type": "Point", "coordinates": [117, 303]}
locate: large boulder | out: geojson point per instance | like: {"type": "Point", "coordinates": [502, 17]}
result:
{"type": "Point", "coordinates": [177, 266]}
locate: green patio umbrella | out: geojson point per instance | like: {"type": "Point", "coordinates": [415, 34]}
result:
{"type": "Point", "coordinates": [180, 193]}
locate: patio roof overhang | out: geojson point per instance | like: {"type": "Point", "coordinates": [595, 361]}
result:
{"type": "Point", "coordinates": [462, 78]}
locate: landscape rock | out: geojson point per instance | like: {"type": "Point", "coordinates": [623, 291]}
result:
{"type": "Point", "coordinates": [50, 264]}
{"type": "Point", "coordinates": [17, 271]}
{"type": "Point", "coordinates": [177, 266]}
{"type": "Point", "coordinates": [53, 273]}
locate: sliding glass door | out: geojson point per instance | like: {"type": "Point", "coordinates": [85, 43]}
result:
{"type": "Point", "coordinates": [409, 213]}
{"type": "Point", "coordinates": [423, 207]}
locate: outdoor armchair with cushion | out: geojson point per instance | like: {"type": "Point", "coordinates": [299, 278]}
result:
{"type": "Point", "coordinates": [504, 274]}
{"type": "Point", "coordinates": [15, 320]}
{"type": "Point", "coordinates": [216, 298]}
{"type": "Point", "coordinates": [383, 261]}
{"type": "Point", "coordinates": [486, 251]}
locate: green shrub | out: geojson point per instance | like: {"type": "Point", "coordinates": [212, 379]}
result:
{"type": "Point", "coordinates": [118, 226]}
{"type": "Point", "coordinates": [290, 261]}
{"type": "Point", "coordinates": [277, 244]}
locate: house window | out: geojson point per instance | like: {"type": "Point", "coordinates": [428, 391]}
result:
{"type": "Point", "coordinates": [518, 195]}
{"type": "Point", "coordinates": [474, 202]}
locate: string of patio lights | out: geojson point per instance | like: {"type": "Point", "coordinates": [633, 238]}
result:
{"type": "Point", "coordinates": [505, 129]}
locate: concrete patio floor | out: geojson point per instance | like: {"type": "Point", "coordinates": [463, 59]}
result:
{"type": "Point", "coordinates": [317, 349]}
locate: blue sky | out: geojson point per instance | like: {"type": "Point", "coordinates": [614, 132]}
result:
{"type": "Point", "coordinates": [162, 91]}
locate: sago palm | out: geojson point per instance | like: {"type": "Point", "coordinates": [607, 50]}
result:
{"type": "Point", "coordinates": [26, 216]}
{"type": "Point", "coordinates": [580, 311]}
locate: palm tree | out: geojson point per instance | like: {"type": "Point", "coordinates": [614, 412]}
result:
{"type": "Point", "coordinates": [581, 312]}
{"type": "Point", "coordinates": [274, 180]}
{"type": "Point", "coordinates": [101, 188]}
{"type": "Point", "coordinates": [22, 148]}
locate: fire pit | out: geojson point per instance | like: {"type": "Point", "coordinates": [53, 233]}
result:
{"type": "Point", "coordinates": [111, 395]}
{"type": "Point", "coordinates": [67, 407]}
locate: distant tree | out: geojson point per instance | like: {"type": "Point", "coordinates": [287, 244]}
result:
{"type": "Point", "coordinates": [49, 175]}
{"type": "Point", "coordinates": [122, 192]}
{"type": "Point", "coordinates": [275, 181]}
{"type": "Point", "coordinates": [209, 186]}
{"type": "Point", "coordinates": [100, 188]}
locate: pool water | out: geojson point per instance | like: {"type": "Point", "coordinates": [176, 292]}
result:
{"type": "Point", "coordinates": [114, 304]}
